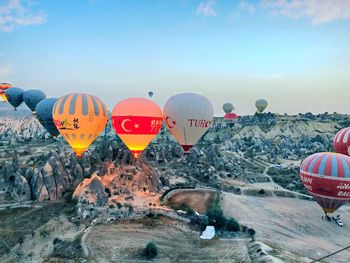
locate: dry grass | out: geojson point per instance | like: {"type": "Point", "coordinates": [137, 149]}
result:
{"type": "Point", "coordinates": [123, 242]}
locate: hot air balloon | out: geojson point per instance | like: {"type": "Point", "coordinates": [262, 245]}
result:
{"type": "Point", "coordinates": [228, 107]}
{"type": "Point", "coordinates": [79, 118]}
{"type": "Point", "coordinates": [261, 105]}
{"type": "Point", "coordinates": [14, 96]}
{"type": "Point", "coordinates": [44, 114]}
{"type": "Point", "coordinates": [3, 87]}
{"type": "Point", "coordinates": [137, 121]}
{"type": "Point", "coordinates": [32, 97]}
{"type": "Point", "coordinates": [188, 116]}
{"type": "Point", "coordinates": [230, 118]}
{"type": "Point", "coordinates": [150, 94]}
{"type": "Point", "coordinates": [341, 141]}
{"type": "Point", "coordinates": [327, 178]}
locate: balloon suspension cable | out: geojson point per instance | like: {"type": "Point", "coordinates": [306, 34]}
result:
{"type": "Point", "coordinates": [329, 255]}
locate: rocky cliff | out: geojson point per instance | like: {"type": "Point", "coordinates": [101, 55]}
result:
{"type": "Point", "coordinates": [33, 166]}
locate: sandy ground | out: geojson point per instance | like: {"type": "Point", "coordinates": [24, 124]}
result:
{"type": "Point", "coordinates": [198, 200]}
{"type": "Point", "coordinates": [293, 225]}
{"type": "Point", "coordinates": [175, 242]}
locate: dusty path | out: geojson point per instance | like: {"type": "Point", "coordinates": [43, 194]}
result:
{"type": "Point", "coordinates": [292, 225]}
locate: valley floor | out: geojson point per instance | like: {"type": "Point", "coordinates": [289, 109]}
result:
{"type": "Point", "coordinates": [293, 227]}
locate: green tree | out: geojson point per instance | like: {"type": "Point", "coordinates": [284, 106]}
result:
{"type": "Point", "coordinates": [151, 250]}
{"type": "Point", "coordinates": [251, 233]}
{"type": "Point", "coordinates": [232, 225]}
{"type": "Point", "coordinates": [216, 217]}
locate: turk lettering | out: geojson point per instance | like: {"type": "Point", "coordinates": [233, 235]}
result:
{"type": "Point", "coordinates": [199, 123]}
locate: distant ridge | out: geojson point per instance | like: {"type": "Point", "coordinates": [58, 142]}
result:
{"type": "Point", "coordinates": [6, 110]}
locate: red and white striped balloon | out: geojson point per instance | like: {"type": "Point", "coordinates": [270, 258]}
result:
{"type": "Point", "coordinates": [327, 178]}
{"type": "Point", "coordinates": [230, 118]}
{"type": "Point", "coordinates": [341, 141]}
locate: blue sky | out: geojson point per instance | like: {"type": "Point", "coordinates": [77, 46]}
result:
{"type": "Point", "coordinates": [294, 53]}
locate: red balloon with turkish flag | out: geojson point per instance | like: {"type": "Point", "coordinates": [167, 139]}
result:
{"type": "Point", "coordinates": [137, 121]}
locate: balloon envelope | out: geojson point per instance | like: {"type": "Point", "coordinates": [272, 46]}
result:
{"type": "Point", "coordinates": [44, 114]}
{"type": "Point", "coordinates": [227, 107]}
{"type": "Point", "coordinates": [188, 116]}
{"type": "Point", "coordinates": [137, 121]}
{"type": "Point", "coordinates": [327, 178]}
{"type": "Point", "coordinates": [230, 117]}
{"type": "Point", "coordinates": [341, 141]}
{"type": "Point", "coordinates": [150, 94]}
{"type": "Point", "coordinates": [14, 96]}
{"type": "Point", "coordinates": [32, 97]}
{"type": "Point", "coordinates": [261, 105]}
{"type": "Point", "coordinates": [80, 118]}
{"type": "Point", "coordinates": [3, 88]}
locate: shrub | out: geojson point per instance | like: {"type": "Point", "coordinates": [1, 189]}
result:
{"type": "Point", "coordinates": [232, 225]}
{"type": "Point", "coordinates": [150, 250]}
{"type": "Point", "coordinates": [201, 221]}
{"type": "Point", "coordinates": [251, 233]}
{"type": "Point", "coordinates": [130, 207]}
{"type": "Point", "coordinates": [216, 217]}
{"type": "Point", "coordinates": [119, 205]}
{"type": "Point", "coordinates": [261, 192]}
{"type": "Point", "coordinates": [189, 211]}
{"type": "Point", "coordinates": [44, 232]}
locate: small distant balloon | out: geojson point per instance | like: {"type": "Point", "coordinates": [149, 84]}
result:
{"type": "Point", "coordinates": [188, 116]}
{"type": "Point", "coordinates": [150, 94]}
{"type": "Point", "coordinates": [230, 118]}
{"type": "Point", "coordinates": [79, 118]}
{"type": "Point", "coordinates": [14, 96]}
{"type": "Point", "coordinates": [341, 141]}
{"type": "Point", "coordinates": [261, 105]}
{"type": "Point", "coordinates": [3, 88]}
{"type": "Point", "coordinates": [44, 114]}
{"type": "Point", "coordinates": [32, 97]}
{"type": "Point", "coordinates": [228, 107]}
{"type": "Point", "coordinates": [137, 121]}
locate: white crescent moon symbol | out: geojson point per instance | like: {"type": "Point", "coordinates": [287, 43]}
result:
{"type": "Point", "coordinates": [123, 125]}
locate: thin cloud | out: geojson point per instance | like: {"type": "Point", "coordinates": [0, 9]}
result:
{"type": "Point", "coordinates": [16, 13]}
{"type": "Point", "coordinates": [244, 7]}
{"type": "Point", "coordinates": [318, 11]}
{"type": "Point", "coordinates": [206, 8]}
{"type": "Point", "coordinates": [6, 70]}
